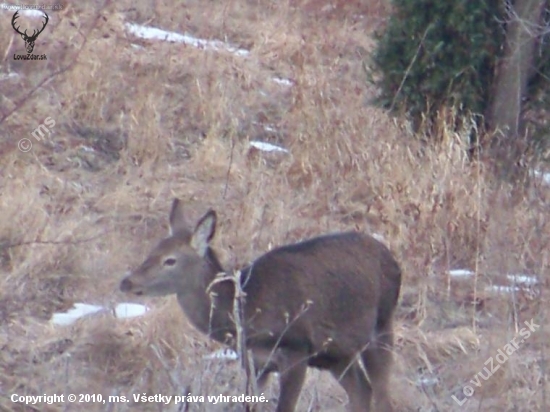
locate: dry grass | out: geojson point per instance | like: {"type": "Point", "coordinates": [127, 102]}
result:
{"type": "Point", "coordinates": [136, 127]}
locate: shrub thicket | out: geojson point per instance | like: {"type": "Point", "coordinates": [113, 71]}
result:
{"type": "Point", "coordinates": [436, 54]}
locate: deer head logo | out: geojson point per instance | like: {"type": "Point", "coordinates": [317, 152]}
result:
{"type": "Point", "coordinates": [29, 40]}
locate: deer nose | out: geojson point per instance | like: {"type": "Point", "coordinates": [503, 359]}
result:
{"type": "Point", "coordinates": [126, 285]}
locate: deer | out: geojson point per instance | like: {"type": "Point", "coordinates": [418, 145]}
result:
{"type": "Point", "coordinates": [326, 303]}
{"type": "Point", "coordinates": [29, 40]}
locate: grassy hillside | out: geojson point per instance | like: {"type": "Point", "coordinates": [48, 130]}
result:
{"type": "Point", "coordinates": [140, 121]}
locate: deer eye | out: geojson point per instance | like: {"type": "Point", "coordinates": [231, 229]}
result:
{"type": "Point", "coordinates": [169, 262]}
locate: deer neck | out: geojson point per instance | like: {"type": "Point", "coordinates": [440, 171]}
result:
{"type": "Point", "coordinates": [209, 310]}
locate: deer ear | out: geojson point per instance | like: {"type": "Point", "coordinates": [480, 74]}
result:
{"type": "Point", "coordinates": [204, 232]}
{"type": "Point", "coordinates": [178, 222]}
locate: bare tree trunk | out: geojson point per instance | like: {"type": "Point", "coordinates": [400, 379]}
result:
{"type": "Point", "coordinates": [504, 115]}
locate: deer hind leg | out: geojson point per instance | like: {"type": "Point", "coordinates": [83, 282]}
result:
{"type": "Point", "coordinates": [292, 368]}
{"type": "Point", "coordinates": [377, 359]}
{"type": "Point", "coordinates": [356, 384]}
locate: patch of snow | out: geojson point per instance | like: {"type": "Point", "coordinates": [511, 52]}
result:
{"type": "Point", "coordinates": [461, 273]}
{"type": "Point", "coordinates": [152, 33]}
{"type": "Point", "coordinates": [267, 147]}
{"type": "Point", "coordinates": [86, 148]}
{"type": "Point", "coordinates": [267, 127]}
{"type": "Point", "coordinates": [223, 354]}
{"type": "Point", "coordinates": [544, 176]}
{"type": "Point", "coordinates": [282, 81]}
{"type": "Point", "coordinates": [527, 280]}
{"type": "Point", "coordinates": [129, 310]}
{"type": "Point", "coordinates": [79, 310]}
{"type": "Point", "coordinates": [427, 381]}
{"type": "Point", "coordinates": [502, 289]}
{"type": "Point", "coordinates": [380, 238]}
{"type": "Point", "coordinates": [8, 76]}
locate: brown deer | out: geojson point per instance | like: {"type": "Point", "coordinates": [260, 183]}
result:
{"type": "Point", "coordinates": [327, 302]}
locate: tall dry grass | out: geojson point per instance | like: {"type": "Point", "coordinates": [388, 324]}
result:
{"type": "Point", "coordinates": [140, 122]}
